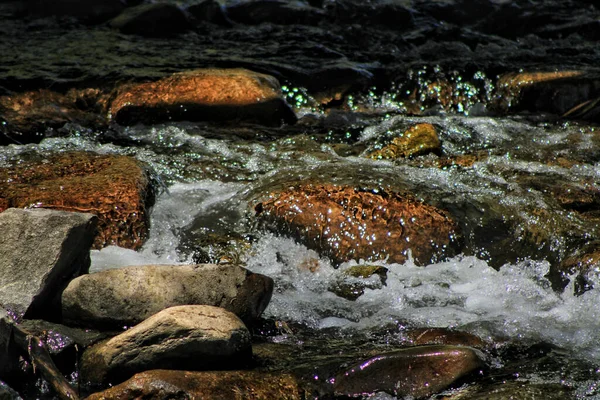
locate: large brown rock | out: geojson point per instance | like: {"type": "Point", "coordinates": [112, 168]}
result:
{"type": "Point", "coordinates": [126, 296]}
{"type": "Point", "coordinates": [416, 371]}
{"type": "Point", "coordinates": [114, 188]}
{"type": "Point", "coordinates": [222, 385]}
{"type": "Point", "coordinates": [184, 337]}
{"type": "Point", "coordinates": [203, 94]}
{"type": "Point", "coordinates": [345, 223]}
{"type": "Point", "coordinates": [40, 252]}
{"type": "Point", "coordinates": [417, 140]}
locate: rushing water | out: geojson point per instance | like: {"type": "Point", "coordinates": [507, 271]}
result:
{"type": "Point", "coordinates": [210, 181]}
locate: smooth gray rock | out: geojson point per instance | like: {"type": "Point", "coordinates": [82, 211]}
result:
{"type": "Point", "coordinates": [188, 337]}
{"type": "Point", "coordinates": [126, 296]}
{"type": "Point", "coordinates": [40, 252]}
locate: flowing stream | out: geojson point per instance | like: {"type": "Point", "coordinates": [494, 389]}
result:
{"type": "Point", "coordinates": [499, 300]}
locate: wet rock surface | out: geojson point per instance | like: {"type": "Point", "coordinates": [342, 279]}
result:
{"type": "Point", "coordinates": [126, 296]}
{"type": "Point", "coordinates": [417, 371]}
{"type": "Point", "coordinates": [345, 223]}
{"type": "Point", "coordinates": [114, 188]}
{"type": "Point", "coordinates": [159, 384]}
{"type": "Point", "coordinates": [210, 94]}
{"type": "Point", "coordinates": [191, 337]}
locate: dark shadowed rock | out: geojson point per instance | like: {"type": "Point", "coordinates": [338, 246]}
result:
{"type": "Point", "coordinates": [210, 11]}
{"type": "Point", "coordinates": [184, 337]}
{"type": "Point", "coordinates": [153, 20]}
{"type": "Point", "coordinates": [344, 223]}
{"type": "Point", "coordinates": [442, 336]}
{"type": "Point", "coordinates": [114, 188]}
{"type": "Point", "coordinates": [40, 252]}
{"type": "Point", "coordinates": [203, 94]}
{"type": "Point", "coordinates": [571, 93]}
{"type": "Point", "coordinates": [522, 390]}
{"type": "Point", "coordinates": [275, 11]}
{"type": "Point", "coordinates": [126, 296]}
{"type": "Point", "coordinates": [223, 385]}
{"type": "Point", "coordinates": [29, 114]}
{"type": "Point", "coordinates": [416, 371]}
{"type": "Point", "coordinates": [6, 393]}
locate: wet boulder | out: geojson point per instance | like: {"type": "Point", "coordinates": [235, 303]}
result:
{"type": "Point", "coordinates": [582, 265]}
{"type": "Point", "coordinates": [225, 385]}
{"type": "Point", "coordinates": [442, 336]}
{"type": "Point", "coordinates": [115, 188]}
{"type": "Point", "coordinates": [203, 94]}
{"type": "Point", "coordinates": [40, 252]}
{"type": "Point", "coordinates": [417, 140]}
{"type": "Point", "coordinates": [345, 223]}
{"type": "Point", "coordinates": [416, 371]}
{"type": "Point", "coordinates": [29, 115]}
{"type": "Point", "coordinates": [192, 337]}
{"type": "Point", "coordinates": [126, 296]}
{"type": "Point", "coordinates": [152, 20]}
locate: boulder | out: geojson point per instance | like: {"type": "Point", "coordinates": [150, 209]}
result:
{"type": "Point", "coordinates": [413, 372]}
{"type": "Point", "coordinates": [223, 385]}
{"type": "Point", "coordinates": [114, 188]}
{"type": "Point", "coordinates": [183, 337]}
{"type": "Point", "coordinates": [203, 94]}
{"type": "Point", "coordinates": [126, 296]}
{"type": "Point", "coordinates": [345, 223]}
{"type": "Point", "coordinates": [152, 20]}
{"type": "Point", "coordinates": [40, 252]}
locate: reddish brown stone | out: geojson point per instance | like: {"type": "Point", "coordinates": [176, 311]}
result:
{"type": "Point", "coordinates": [115, 188]}
{"type": "Point", "coordinates": [223, 385]}
{"type": "Point", "coordinates": [29, 114]}
{"type": "Point", "coordinates": [344, 223]}
{"type": "Point", "coordinates": [413, 372]}
{"type": "Point", "coordinates": [203, 94]}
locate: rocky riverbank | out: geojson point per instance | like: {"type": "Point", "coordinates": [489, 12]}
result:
{"type": "Point", "coordinates": [377, 135]}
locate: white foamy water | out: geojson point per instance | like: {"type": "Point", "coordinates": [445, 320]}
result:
{"type": "Point", "coordinates": [515, 302]}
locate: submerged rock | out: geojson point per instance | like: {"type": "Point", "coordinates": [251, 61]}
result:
{"type": "Point", "coordinates": [114, 188]}
{"type": "Point", "coordinates": [41, 251]}
{"type": "Point", "coordinates": [183, 337]}
{"type": "Point", "coordinates": [224, 385]}
{"type": "Point", "coordinates": [203, 94]}
{"type": "Point", "coordinates": [345, 223]}
{"type": "Point", "coordinates": [417, 140]}
{"type": "Point", "coordinates": [126, 296]}
{"type": "Point", "coordinates": [521, 390]}
{"type": "Point", "coordinates": [416, 371]}
{"type": "Point", "coordinates": [583, 264]}
{"type": "Point", "coordinates": [152, 20]}
{"type": "Point", "coordinates": [275, 12]}
{"type": "Point", "coordinates": [442, 336]}
{"type": "Point", "coordinates": [356, 280]}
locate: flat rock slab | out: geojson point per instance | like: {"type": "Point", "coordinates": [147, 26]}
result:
{"type": "Point", "coordinates": [126, 296]}
{"type": "Point", "coordinates": [413, 372]}
{"type": "Point", "coordinates": [345, 223]}
{"type": "Point", "coordinates": [114, 188]}
{"type": "Point", "coordinates": [40, 252]}
{"type": "Point", "coordinates": [182, 337]}
{"type": "Point", "coordinates": [203, 94]}
{"type": "Point", "coordinates": [223, 385]}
